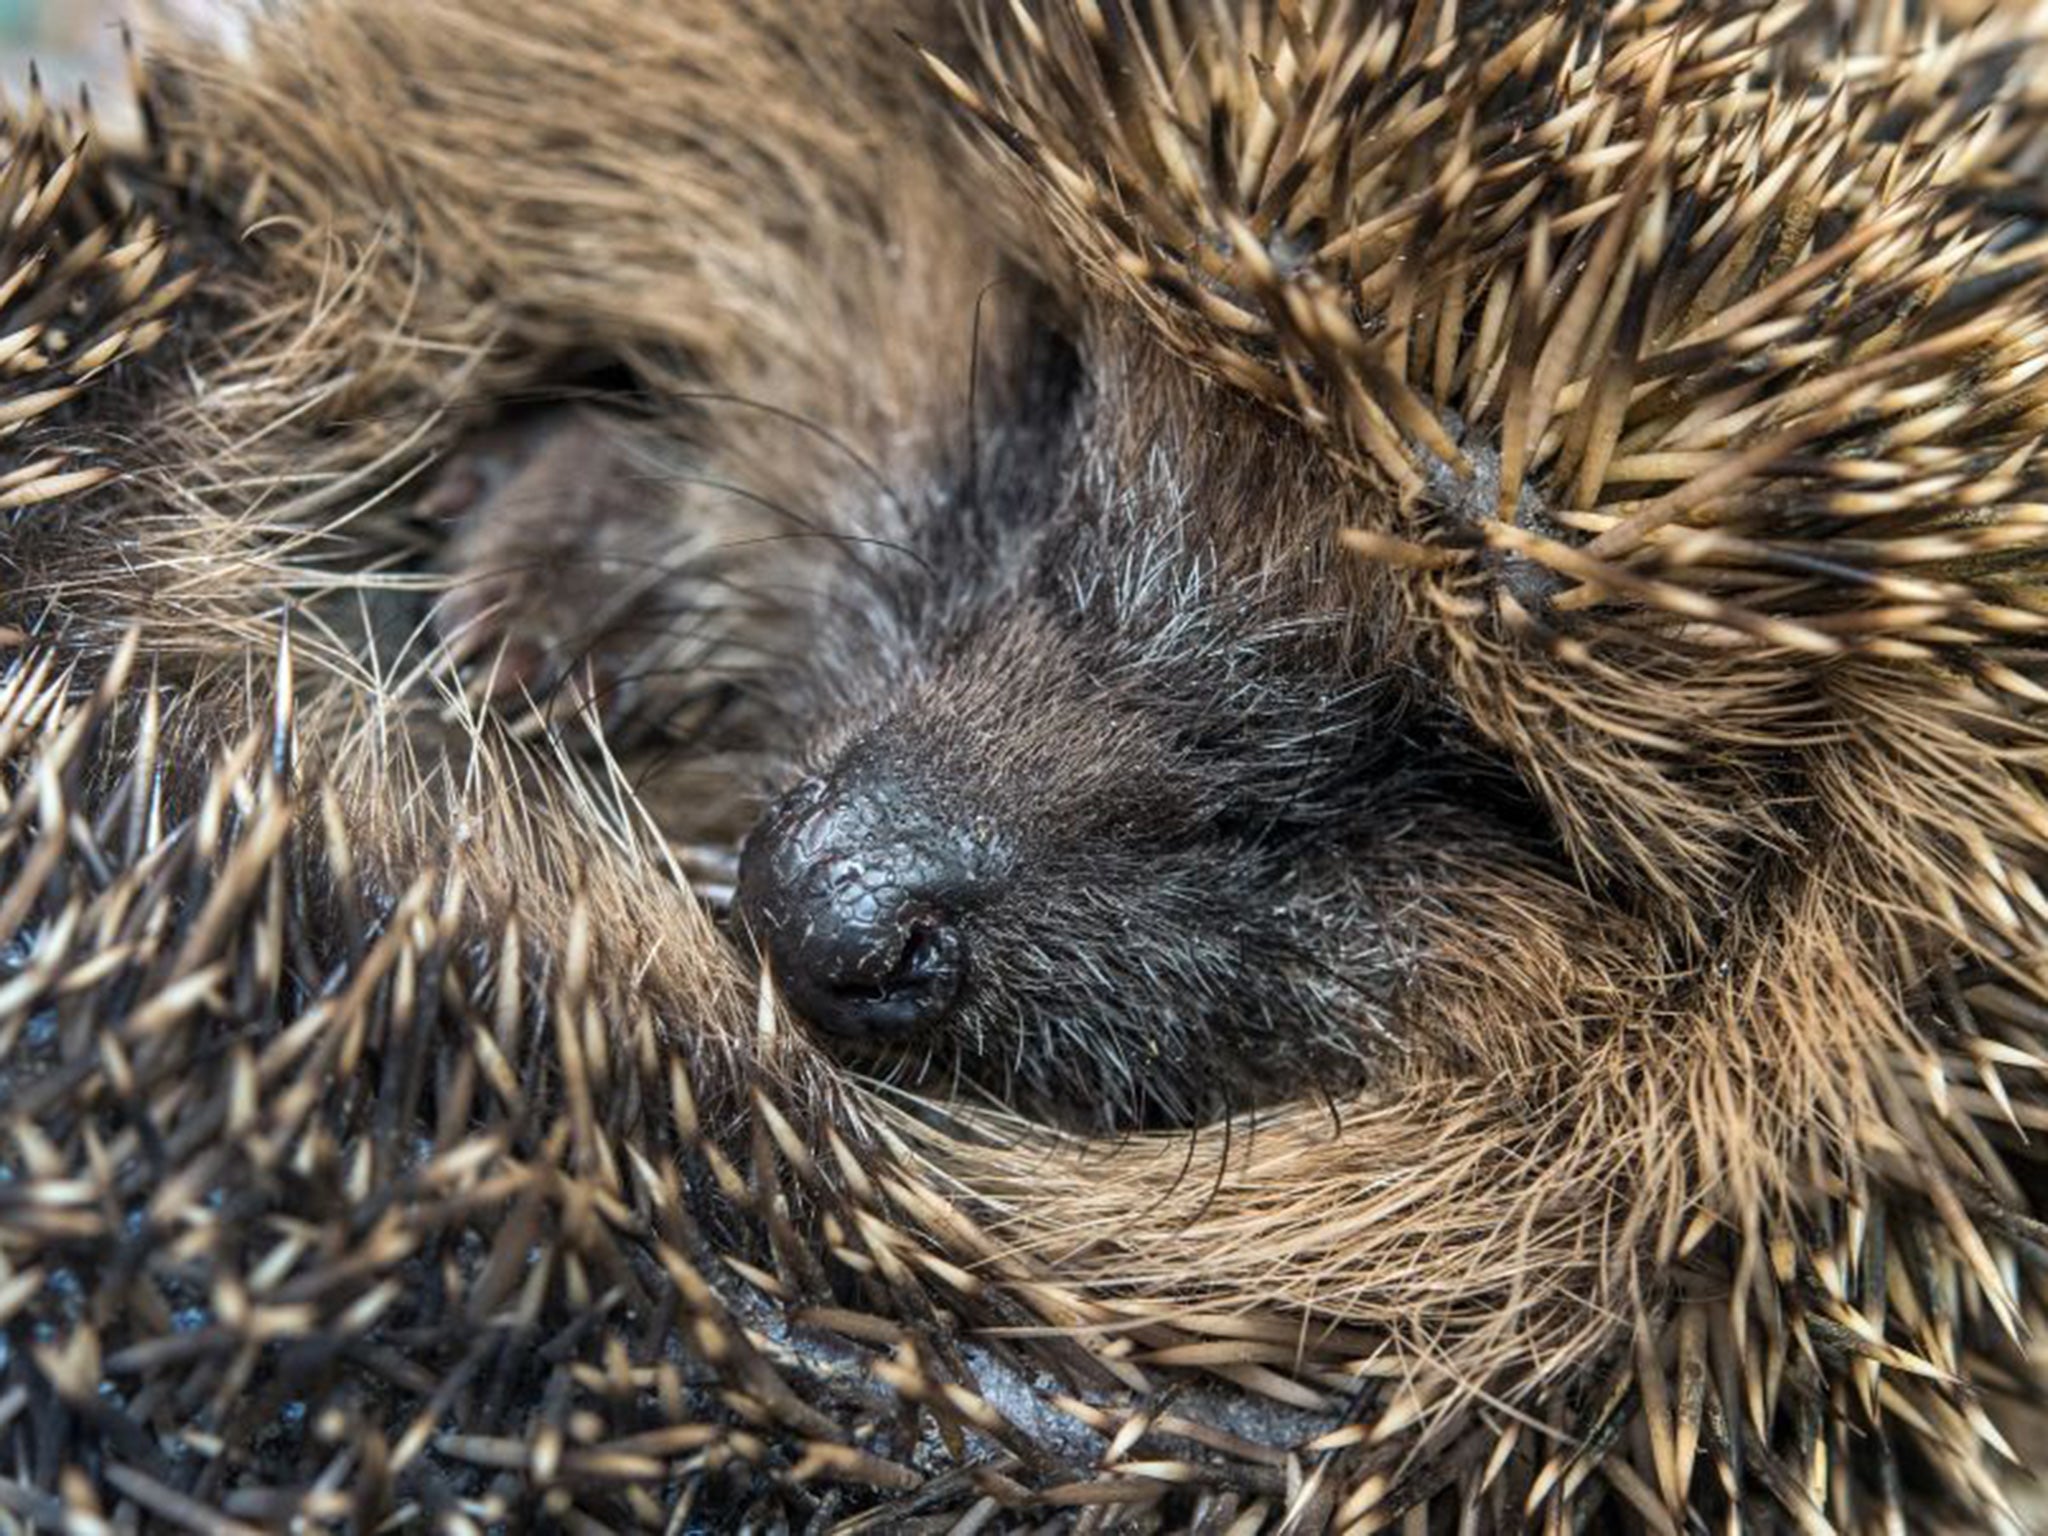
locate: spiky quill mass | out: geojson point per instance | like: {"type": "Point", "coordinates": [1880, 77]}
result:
{"type": "Point", "coordinates": [388, 1136]}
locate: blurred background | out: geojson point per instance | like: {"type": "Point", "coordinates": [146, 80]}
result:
{"type": "Point", "coordinates": [78, 42]}
{"type": "Point", "coordinates": [70, 40]}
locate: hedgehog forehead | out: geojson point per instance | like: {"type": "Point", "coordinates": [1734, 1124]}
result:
{"type": "Point", "coordinates": [1114, 677]}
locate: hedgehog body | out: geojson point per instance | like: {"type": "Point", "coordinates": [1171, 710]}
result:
{"type": "Point", "coordinates": [1540, 506]}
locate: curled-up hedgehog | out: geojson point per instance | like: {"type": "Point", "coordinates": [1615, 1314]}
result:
{"type": "Point", "coordinates": [1355, 690]}
{"type": "Point", "coordinates": [1097, 784]}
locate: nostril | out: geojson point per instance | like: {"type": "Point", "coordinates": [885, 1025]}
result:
{"type": "Point", "coordinates": [931, 957]}
{"type": "Point", "coordinates": [854, 913]}
{"type": "Point", "coordinates": [862, 968]}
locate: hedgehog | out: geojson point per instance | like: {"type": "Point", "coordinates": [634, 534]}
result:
{"type": "Point", "coordinates": [1028, 718]}
{"type": "Point", "coordinates": [1451, 593]}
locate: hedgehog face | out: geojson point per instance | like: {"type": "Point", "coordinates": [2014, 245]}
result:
{"type": "Point", "coordinates": [1101, 781]}
{"type": "Point", "coordinates": [1031, 855]}
{"type": "Point", "coordinates": [1110, 800]}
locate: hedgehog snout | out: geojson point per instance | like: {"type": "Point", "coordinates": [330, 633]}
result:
{"type": "Point", "coordinates": [855, 893]}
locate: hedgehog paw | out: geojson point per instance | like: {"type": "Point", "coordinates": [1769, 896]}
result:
{"type": "Point", "coordinates": [551, 583]}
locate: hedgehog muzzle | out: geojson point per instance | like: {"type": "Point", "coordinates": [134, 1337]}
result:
{"type": "Point", "coordinates": [854, 889]}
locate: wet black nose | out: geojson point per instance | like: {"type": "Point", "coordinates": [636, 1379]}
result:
{"type": "Point", "coordinates": [854, 891]}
